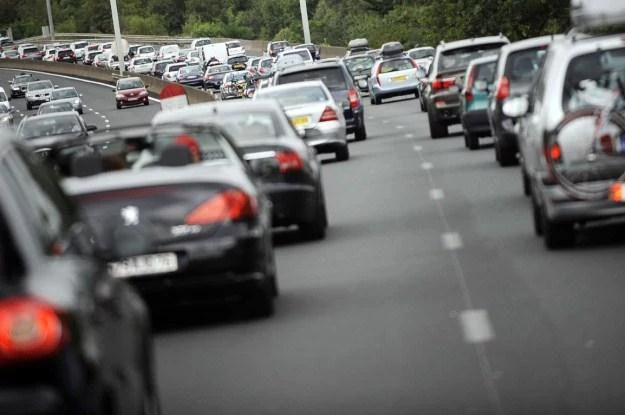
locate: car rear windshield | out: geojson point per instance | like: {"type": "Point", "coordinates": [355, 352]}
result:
{"type": "Point", "coordinates": [289, 96]}
{"type": "Point", "coordinates": [218, 69]}
{"type": "Point", "coordinates": [252, 125]}
{"type": "Point", "coordinates": [237, 59]}
{"type": "Point", "coordinates": [486, 72]}
{"type": "Point", "coordinates": [63, 53]}
{"type": "Point", "coordinates": [145, 49]}
{"type": "Point", "coordinates": [522, 66]}
{"type": "Point", "coordinates": [22, 79]}
{"type": "Point", "coordinates": [143, 61]}
{"type": "Point", "coordinates": [175, 68]}
{"type": "Point", "coordinates": [303, 53]}
{"type": "Point", "coordinates": [455, 60]}
{"type": "Point", "coordinates": [80, 45]}
{"type": "Point", "coordinates": [333, 77]}
{"type": "Point", "coordinates": [396, 65]}
{"type": "Point", "coordinates": [421, 53]}
{"type": "Point", "coordinates": [191, 70]}
{"type": "Point", "coordinates": [360, 63]}
{"type": "Point", "coordinates": [591, 78]}
{"type": "Point", "coordinates": [279, 45]}
{"type": "Point", "coordinates": [31, 50]}
{"type": "Point", "coordinates": [41, 127]}
{"type": "Point", "coordinates": [59, 107]}
{"type": "Point", "coordinates": [266, 63]}
{"type": "Point", "coordinates": [64, 93]}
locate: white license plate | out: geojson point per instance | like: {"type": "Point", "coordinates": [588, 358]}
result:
{"type": "Point", "coordinates": [132, 99]}
{"type": "Point", "coordinates": [453, 89]}
{"type": "Point", "coordinates": [144, 265]}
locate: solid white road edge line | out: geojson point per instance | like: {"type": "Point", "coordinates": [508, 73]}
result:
{"type": "Point", "coordinates": [72, 78]}
{"type": "Point", "coordinates": [476, 326]}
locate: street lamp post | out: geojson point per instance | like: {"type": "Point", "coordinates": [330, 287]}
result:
{"type": "Point", "coordinates": [304, 11]}
{"type": "Point", "coordinates": [118, 37]}
{"type": "Point", "coordinates": [50, 22]}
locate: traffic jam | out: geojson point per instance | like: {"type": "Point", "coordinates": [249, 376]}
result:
{"type": "Point", "coordinates": [106, 232]}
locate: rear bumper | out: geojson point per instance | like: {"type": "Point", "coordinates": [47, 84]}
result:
{"type": "Point", "coordinates": [406, 89]}
{"type": "Point", "coordinates": [128, 101]}
{"type": "Point", "coordinates": [38, 100]}
{"type": "Point", "coordinates": [354, 119]}
{"type": "Point", "coordinates": [33, 400]}
{"type": "Point", "coordinates": [476, 122]}
{"type": "Point", "coordinates": [292, 203]}
{"type": "Point", "coordinates": [17, 93]}
{"type": "Point", "coordinates": [446, 107]}
{"type": "Point", "coordinates": [195, 82]}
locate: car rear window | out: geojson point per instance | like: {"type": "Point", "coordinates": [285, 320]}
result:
{"type": "Point", "coordinates": [279, 45]}
{"type": "Point", "coordinates": [64, 93]}
{"type": "Point", "coordinates": [288, 96]}
{"type": "Point", "coordinates": [522, 66]}
{"type": "Point", "coordinates": [145, 49]}
{"type": "Point", "coordinates": [455, 60]}
{"type": "Point", "coordinates": [41, 127]}
{"type": "Point", "coordinates": [252, 125]}
{"type": "Point", "coordinates": [486, 72]}
{"type": "Point", "coordinates": [421, 53]}
{"type": "Point", "coordinates": [31, 50]}
{"type": "Point", "coordinates": [396, 65]}
{"type": "Point", "coordinates": [333, 77]}
{"type": "Point", "coordinates": [301, 52]}
{"type": "Point", "coordinates": [63, 53]}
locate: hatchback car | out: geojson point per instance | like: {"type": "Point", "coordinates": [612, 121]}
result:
{"type": "Point", "coordinates": [314, 113]}
{"type": "Point", "coordinates": [38, 92]}
{"type": "Point", "coordinates": [337, 79]}
{"type": "Point", "coordinates": [19, 84]}
{"type": "Point", "coordinates": [171, 71]}
{"type": "Point", "coordinates": [68, 94]}
{"type": "Point", "coordinates": [214, 75]}
{"type": "Point", "coordinates": [359, 66]}
{"type": "Point", "coordinates": [396, 74]}
{"type": "Point", "coordinates": [131, 91]}
{"type": "Point", "coordinates": [190, 75]}
{"type": "Point", "coordinates": [140, 65]}
{"type": "Point", "coordinates": [73, 339]}
{"type": "Point", "coordinates": [65, 55]}
{"type": "Point", "coordinates": [478, 84]}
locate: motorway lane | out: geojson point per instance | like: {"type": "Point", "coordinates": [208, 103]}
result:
{"type": "Point", "coordinates": [99, 102]}
{"type": "Point", "coordinates": [371, 319]}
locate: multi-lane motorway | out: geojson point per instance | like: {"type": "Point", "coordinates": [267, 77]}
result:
{"type": "Point", "coordinates": [430, 295]}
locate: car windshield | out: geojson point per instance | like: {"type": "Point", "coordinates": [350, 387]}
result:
{"type": "Point", "coordinates": [591, 79]}
{"type": "Point", "coordinates": [43, 127]}
{"type": "Point", "coordinates": [236, 76]}
{"type": "Point", "coordinates": [332, 77]}
{"type": "Point", "coordinates": [237, 59]}
{"type": "Point", "coordinates": [218, 69]}
{"type": "Point", "coordinates": [455, 60]}
{"type": "Point", "coordinates": [55, 107]}
{"type": "Point", "coordinates": [295, 96]}
{"type": "Point", "coordinates": [123, 84]}
{"type": "Point", "coordinates": [252, 125]}
{"type": "Point", "coordinates": [266, 63]}
{"type": "Point", "coordinates": [64, 93]}
{"type": "Point", "coordinates": [146, 49]}
{"type": "Point", "coordinates": [360, 63]}
{"type": "Point", "coordinates": [176, 68]}
{"type": "Point", "coordinates": [36, 86]}
{"type": "Point", "coordinates": [396, 65]}
{"type": "Point", "coordinates": [191, 70]}
{"type": "Point", "coordinates": [522, 66]}
{"type": "Point", "coordinates": [23, 79]}
{"type": "Point", "coordinates": [143, 61]}
{"type": "Point", "coordinates": [421, 53]}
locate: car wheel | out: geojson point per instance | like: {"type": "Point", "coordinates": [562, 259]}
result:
{"type": "Point", "coordinates": [262, 305]}
{"type": "Point", "coordinates": [423, 109]}
{"type": "Point", "coordinates": [527, 189]}
{"type": "Point", "coordinates": [361, 133]}
{"type": "Point", "coordinates": [473, 142]}
{"type": "Point", "coordinates": [507, 156]}
{"type": "Point", "coordinates": [119, 106]}
{"type": "Point", "coordinates": [537, 218]}
{"type": "Point", "coordinates": [29, 106]}
{"type": "Point", "coordinates": [80, 111]}
{"type": "Point", "coordinates": [342, 153]}
{"type": "Point", "coordinates": [373, 100]}
{"type": "Point", "coordinates": [557, 235]}
{"type": "Point", "coordinates": [437, 130]}
{"type": "Point", "coordinates": [416, 94]}
{"type": "Point", "coordinates": [146, 102]}
{"type": "Point", "coordinates": [316, 228]}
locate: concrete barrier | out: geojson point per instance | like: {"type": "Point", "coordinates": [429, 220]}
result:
{"type": "Point", "coordinates": [155, 86]}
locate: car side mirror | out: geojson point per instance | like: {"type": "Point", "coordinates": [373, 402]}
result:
{"type": "Point", "coordinates": [114, 90]}
{"type": "Point", "coordinates": [147, 86]}
{"type": "Point", "coordinates": [516, 107]}
{"type": "Point", "coordinates": [80, 95]}
{"type": "Point", "coordinates": [11, 82]}
{"type": "Point", "coordinates": [92, 127]}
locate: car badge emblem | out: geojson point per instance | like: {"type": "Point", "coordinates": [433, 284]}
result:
{"type": "Point", "coordinates": [130, 214]}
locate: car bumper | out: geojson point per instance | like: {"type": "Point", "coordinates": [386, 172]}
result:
{"type": "Point", "coordinates": [407, 88]}
{"type": "Point", "coordinates": [446, 107]}
{"type": "Point", "coordinates": [291, 203]}
{"type": "Point", "coordinates": [37, 101]}
{"type": "Point", "coordinates": [476, 122]}
{"type": "Point", "coordinates": [17, 93]}
{"type": "Point", "coordinates": [31, 400]}
{"type": "Point", "coordinates": [354, 118]}
{"type": "Point", "coordinates": [133, 101]}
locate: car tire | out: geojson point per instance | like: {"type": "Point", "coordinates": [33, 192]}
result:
{"type": "Point", "coordinates": [119, 106]}
{"type": "Point", "coordinates": [316, 228]}
{"type": "Point", "coordinates": [507, 155]}
{"type": "Point", "coordinates": [361, 132]}
{"type": "Point", "coordinates": [422, 104]}
{"type": "Point", "coordinates": [527, 188]}
{"type": "Point", "coordinates": [437, 130]}
{"type": "Point", "coordinates": [342, 153]}
{"type": "Point", "coordinates": [29, 106]}
{"type": "Point", "coordinates": [373, 100]}
{"type": "Point", "coordinates": [80, 111]}
{"type": "Point", "coordinates": [473, 142]}
{"type": "Point", "coordinates": [262, 304]}
{"type": "Point", "coordinates": [537, 218]}
{"type": "Point", "coordinates": [558, 235]}
{"type": "Point", "coordinates": [146, 102]}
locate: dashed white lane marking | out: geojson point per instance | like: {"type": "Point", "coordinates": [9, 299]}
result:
{"type": "Point", "coordinates": [96, 113]}
{"type": "Point", "coordinates": [476, 326]}
{"type": "Point", "coordinates": [417, 148]}
{"type": "Point", "coordinates": [436, 194]}
{"type": "Point", "coordinates": [400, 127]}
{"type": "Point", "coordinates": [409, 135]}
{"type": "Point", "coordinates": [107, 126]}
{"type": "Point", "coordinates": [103, 116]}
{"type": "Point", "coordinates": [371, 118]}
{"type": "Point", "coordinates": [426, 165]}
{"type": "Point", "coordinates": [91, 109]}
{"type": "Point", "coordinates": [385, 121]}
{"type": "Point", "coordinates": [451, 240]}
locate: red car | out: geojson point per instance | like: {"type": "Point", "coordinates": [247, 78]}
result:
{"type": "Point", "coordinates": [65, 55]}
{"type": "Point", "coordinates": [131, 91]}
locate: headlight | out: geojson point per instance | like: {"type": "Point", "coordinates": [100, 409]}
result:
{"type": "Point", "coordinates": [143, 93]}
{"type": "Point", "coordinates": [119, 96]}
{"type": "Point", "coordinates": [15, 87]}
{"type": "Point", "coordinates": [76, 101]}
{"type": "Point", "coordinates": [5, 118]}
{"type": "Point", "coordinates": [362, 83]}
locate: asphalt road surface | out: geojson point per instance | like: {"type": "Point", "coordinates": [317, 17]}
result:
{"type": "Point", "coordinates": [430, 295]}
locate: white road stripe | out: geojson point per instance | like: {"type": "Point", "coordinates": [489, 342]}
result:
{"type": "Point", "coordinates": [451, 240]}
{"type": "Point", "coordinates": [103, 116]}
{"type": "Point", "coordinates": [417, 148]}
{"type": "Point", "coordinates": [400, 127]}
{"type": "Point", "coordinates": [426, 165]}
{"type": "Point", "coordinates": [436, 194]}
{"type": "Point", "coordinates": [476, 326]}
{"type": "Point", "coordinates": [409, 135]}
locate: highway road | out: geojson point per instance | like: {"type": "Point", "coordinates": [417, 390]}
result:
{"type": "Point", "coordinates": [430, 295]}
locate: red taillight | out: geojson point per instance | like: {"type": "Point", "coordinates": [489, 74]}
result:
{"type": "Point", "coordinates": [29, 330]}
{"type": "Point", "coordinates": [289, 161]}
{"type": "Point", "coordinates": [503, 89]}
{"type": "Point", "coordinates": [354, 99]}
{"type": "Point", "coordinates": [328, 115]}
{"type": "Point", "coordinates": [468, 95]}
{"type": "Point", "coordinates": [606, 144]}
{"type": "Point", "coordinates": [228, 205]}
{"type": "Point", "coordinates": [554, 152]}
{"type": "Point", "coordinates": [443, 83]}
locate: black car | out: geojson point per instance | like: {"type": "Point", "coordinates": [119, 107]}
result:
{"type": "Point", "coordinates": [196, 226]}
{"type": "Point", "coordinates": [440, 91]}
{"type": "Point", "coordinates": [55, 136]}
{"type": "Point", "coordinates": [65, 55]}
{"type": "Point", "coordinates": [19, 83]}
{"type": "Point", "coordinates": [190, 75]}
{"type": "Point", "coordinates": [287, 167]}
{"type": "Point", "coordinates": [73, 340]}
{"type": "Point", "coordinates": [340, 83]}
{"type": "Point", "coordinates": [518, 65]}
{"type": "Point", "coordinates": [214, 76]}
{"type": "Point", "coordinates": [359, 67]}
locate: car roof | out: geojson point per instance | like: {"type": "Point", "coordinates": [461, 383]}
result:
{"type": "Point", "coordinates": [530, 43]}
{"type": "Point", "coordinates": [130, 78]}
{"type": "Point", "coordinates": [65, 88]}
{"type": "Point", "coordinates": [310, 66]}
{"type": "Point", "coordinates": [197, 111]}
{"type": "Point", "coordinates": [52, 115]}
{"type": "Point", "coordinates": [298, 85]}
{"type": "Point", "coordinates": [472, 41]}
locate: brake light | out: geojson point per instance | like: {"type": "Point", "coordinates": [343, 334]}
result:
{"type": "Point", "coordinates": [225, 206]}
{"type": "Point", "coordinates": [354, 99]}
{"type": "Point", "coordinates": [468, 93]}
{"type": "Point", "coordinates": [503, 89]}
{"type": "Point", "coordinates": [554, 152]}
{"type": "Point", "coordinates": [606, 144]}
{"type": "Point", "coordinates": [289, 161]}
{"type": "Point", "coordinates": [616, 192]}
{"type": "Point", "coordinates": [29, 330]}
{"type": "Point", "coordinates": [328, 115]}
{"type": "Point", "coordinates": [443, 83]}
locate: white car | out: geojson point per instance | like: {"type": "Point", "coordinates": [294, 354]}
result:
{"type": "Point", "coordinates": [171, 71]}
{"type": "Point", "coordinates": [80, 49]}
{"type": "Point", "coordinates": [49, 55]}
{"type": "Point", "coordinates": [314, 113]}
{"type": "Point", "coordinates": [146, 52]}
{"type": "Point", "coordinates": [293, 57]}
{"type": "Point", "coordinates": [168, 52]}
{"type": "Point", "coordinates": [105, 47]}
{"type": "Point", "coordinates": [101, 60]}
{"type": "Point", "coordinates": [4, 99]}
{"type": "Point", "coordinates": [140, 65]}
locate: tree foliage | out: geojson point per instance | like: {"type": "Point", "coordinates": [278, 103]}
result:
{"type": "Point", "coordinates": [332, 22]}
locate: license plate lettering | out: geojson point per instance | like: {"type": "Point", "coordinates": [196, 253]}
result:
{"type": "Point", "coordinates": [144, 265]}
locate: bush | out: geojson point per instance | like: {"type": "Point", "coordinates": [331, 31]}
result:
{"type": "Point", "coordinates": [145, 25]}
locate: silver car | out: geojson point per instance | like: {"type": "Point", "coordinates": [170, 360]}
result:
{"type": "Point", "coordinates": [314, 113]}
{"type": "Point", "coordinates": [55, 106]}
{"type": "Point", "coordinates": [393, 76]}
{"type": "Point", "coordinates": [38, 92]}
{"type": "Point", "coordinates": [68, 94]}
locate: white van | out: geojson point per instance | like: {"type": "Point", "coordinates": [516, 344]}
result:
{"type": "Point", "coordinates": [146, 52]}
{"type": "Point", "coordinates": [168, 51]}
{"type": "Point", "coordinates": [80, 49]}
{"type": "Point", "coordinates": [202, 41]}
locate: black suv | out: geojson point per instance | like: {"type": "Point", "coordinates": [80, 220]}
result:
{"type": "Point", "coordinates": [341, 85]}
{"type": "Point", "coordinates": [441, 89]}
{"type": "Point", "coordinates": [73, 340]}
